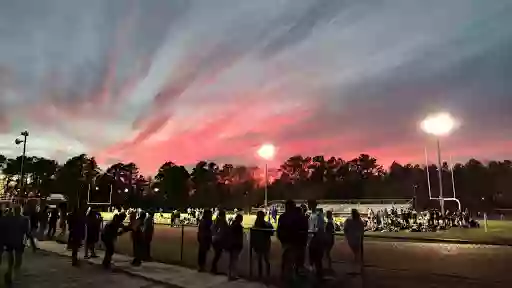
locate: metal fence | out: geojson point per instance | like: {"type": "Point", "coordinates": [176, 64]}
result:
{"type": "Point", "coordinates": [185, 237]}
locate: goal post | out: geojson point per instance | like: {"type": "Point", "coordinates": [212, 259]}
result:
{"type": "Point", "coordinates": [109, 203]}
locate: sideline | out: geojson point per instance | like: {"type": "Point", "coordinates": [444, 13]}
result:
{"type": "Point", "coordinates": [412, 238]}
{"type": "Point", "coordinates": [439, 240]}
{"type": "Point", "coordinates": [163, 219]}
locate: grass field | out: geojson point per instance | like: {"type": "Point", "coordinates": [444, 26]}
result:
{"type": "Point", "coordinates": [499, 232]}
{"type": "Point", "coordinates": [167, 247]}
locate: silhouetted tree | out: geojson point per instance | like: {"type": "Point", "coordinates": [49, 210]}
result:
{"type": "Point", "coordinates": [75, 178]}
{"type": "Point", "coordinates": [173, 182]}
{"type": "Point", "coordinates": [479, 186]}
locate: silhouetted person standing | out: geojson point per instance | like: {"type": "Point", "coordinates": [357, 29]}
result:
{"type": "Point", "coordinates": [138, 239]}
{"type": "Point", "coordinates": [93, 223]}
{"type": "Point", "coordinates": [302, 225]}
{"type": "Point", "coordinates": [220, 234]}
{"type": "Point", "coordinates": [77, 228]}
{"type": "Point", "coordinates": [18, 227]}
{"type": "Point", "coordinates": [260, 241]}
{"type": "Point", "coordinates": [273, 213]}
{"type": "Point", "coordinates": [3, 235]}
{"type": "Point", "coordinates": [52, 223]}
{"type": "Point", "coordinates": [204, 238]}
{"type": "Point", "coordinates": [43, 222]}
{"type": "Point", "coordinates": [354, 233]}
{"type": "Point", "coordinates": [317, 244]}
{"type": "Point", "coordinates": [31, 213]}
{"type": "Point", "coordinates": [149, 229]}
{"type": "Point", "coordinates": [329, 238]}
{"type": "Point", "coordinates": [109, 236]}
{"type": "Point", "coordinates": [63, 219]}
{"type": "Point", "coordinates": [288, 234]}
{"type": "Point", "coordinates": [236, 244]}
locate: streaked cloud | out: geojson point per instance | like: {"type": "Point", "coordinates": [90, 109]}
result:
{"type": "Point", "coordinates": [150, 81]}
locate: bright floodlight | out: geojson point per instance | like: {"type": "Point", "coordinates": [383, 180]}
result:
{"type": "Point", "coordinates": [267, 151]}
{"type": "Point", "coordinates": [439, 124]}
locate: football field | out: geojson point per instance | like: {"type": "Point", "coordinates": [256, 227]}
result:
{"type": "Point", "coordinates": [474, 262]}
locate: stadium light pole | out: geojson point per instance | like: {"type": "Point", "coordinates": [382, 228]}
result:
{"type": "Point", "coordinates": [439, 125]}
{"type": "Point", "coordinates": [22, 170]}
{"type": "Point", "coordinates": [266, 152]}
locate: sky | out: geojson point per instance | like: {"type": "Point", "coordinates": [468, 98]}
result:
{"type": "Point", "coordinates": [151, 81]}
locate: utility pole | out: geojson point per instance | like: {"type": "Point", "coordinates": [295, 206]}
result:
{"type": "Point", "coordinates": [22, 170]}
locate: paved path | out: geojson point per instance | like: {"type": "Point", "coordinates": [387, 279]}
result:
{"type": "Point", "coordinates": [48, 270]}
{"type": "Point", "coordinates": [163, 274]}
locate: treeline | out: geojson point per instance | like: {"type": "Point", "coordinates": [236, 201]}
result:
{"type": "Point", "coordinates": [479, 186]}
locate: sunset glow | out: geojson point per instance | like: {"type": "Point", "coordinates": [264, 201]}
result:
{"type": "Point", "coordinates": [183, 81]}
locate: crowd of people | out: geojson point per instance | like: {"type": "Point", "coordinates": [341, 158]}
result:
{"type": "Point", "coordinates": [194, 215]}
{"type": "Point", "coordinates": [300, 230]}
{"type": "Point", "coordinates": [141, 227]}
{"type": "Point", "coordinates": [432, 220]}
{"type": "Point", "coordinates": [19, 225]}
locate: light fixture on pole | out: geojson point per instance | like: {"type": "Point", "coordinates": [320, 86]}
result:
{"type": "Point", "coordinates": [22, 171]}
{"type": "Point", "coordinates": [439, 125]}
{"type": "Point", "coordinates": [266, 152]}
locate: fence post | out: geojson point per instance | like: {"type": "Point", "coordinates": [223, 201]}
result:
{"type": "Point", "coordinates": [182, 242]}
{"type": "Point", "coordinates": [485, 221]}
{"type": "Point", "coordinates": [362, 251]}
{"type": "Point", "coordinates": [250, 253]}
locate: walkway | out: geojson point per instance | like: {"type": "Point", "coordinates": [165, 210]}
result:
{"type": "Point", "coordinates": [163, 274]}
{"type": "Point", "coordinates": [48, 270]}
